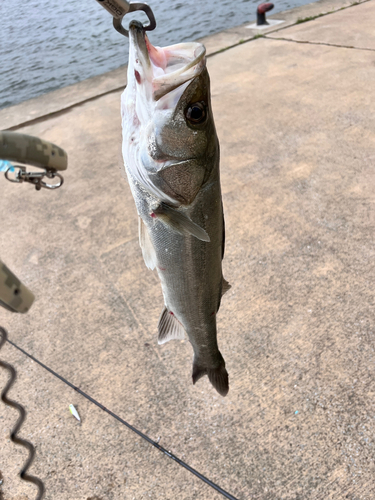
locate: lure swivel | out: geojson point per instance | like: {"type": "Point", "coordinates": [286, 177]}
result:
{"type": "Point", "coordinates": [35, 178]}
{"type": "Point", "coordinates": [32, 151]}
{"type": "Point", "coordinates": [119, 8]}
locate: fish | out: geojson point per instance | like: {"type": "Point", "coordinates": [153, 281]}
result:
{"type": "Point", "coordinates": [171, 159]}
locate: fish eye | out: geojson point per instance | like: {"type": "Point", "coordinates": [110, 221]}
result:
{"type": "Point", "coordinates": [196, 113]}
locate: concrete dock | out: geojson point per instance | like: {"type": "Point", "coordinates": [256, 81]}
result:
{"type": "Point", "coordinates": [295, 116]}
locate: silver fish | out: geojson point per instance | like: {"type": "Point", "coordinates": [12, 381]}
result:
{"type": "Point", "coordinates": [171, 157]}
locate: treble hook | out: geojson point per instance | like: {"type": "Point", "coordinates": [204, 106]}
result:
{"type": "Point", "coordinates": [119, 8]}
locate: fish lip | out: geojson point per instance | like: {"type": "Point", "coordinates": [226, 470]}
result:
{"type": "Point", "coordinates": [137, 37]}
{"type": "Point", "coordinates": [142, 45]}
{"type": "Point", "coordinates": [197, 59]}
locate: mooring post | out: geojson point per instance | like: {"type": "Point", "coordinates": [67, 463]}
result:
{"type": "Point", "coordinates": [261, 13]}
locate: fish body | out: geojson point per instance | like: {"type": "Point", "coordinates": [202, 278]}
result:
{"type": "Point", "coordinates": [171, 157]}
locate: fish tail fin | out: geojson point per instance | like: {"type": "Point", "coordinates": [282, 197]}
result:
{"type": "Point", "coordinates": [198, 372]}
{"type": "Point", "coordinates": [217, 376]}
{"type": "Point", "coordinates": [219, 379]}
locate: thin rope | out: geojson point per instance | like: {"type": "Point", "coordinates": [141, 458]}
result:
{"type": "Point", "coordinates": [144, 436]}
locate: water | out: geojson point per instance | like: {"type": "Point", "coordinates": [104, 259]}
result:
{"type": "Point", "coordinates": [48, 44]}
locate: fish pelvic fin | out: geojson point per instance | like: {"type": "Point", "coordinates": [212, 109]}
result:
{"type": "Point", "coordinates": [179, 222]}
{"type": "Point", "coordinates": [148, 251]}
{"type": "Point", "coordinates": [169, 327]}
{"type": "Point", "coordinates": [217, 376]}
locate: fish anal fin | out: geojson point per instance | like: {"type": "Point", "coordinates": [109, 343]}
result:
{"type": "Point", "coordinates": [148, 251]}
{"type": "Point", "coordinates": [169, 327]}
{"type": "Point", "coordinates": [217, 376]}
{"type": "Point", "coordinates": [225, 286]}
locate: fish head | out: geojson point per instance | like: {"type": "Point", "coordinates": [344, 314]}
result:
{"type": "Point", "coordinates": [169, 140]}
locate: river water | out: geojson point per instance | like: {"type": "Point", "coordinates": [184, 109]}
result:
{"type": "Point", "coordinates": [48, 44]}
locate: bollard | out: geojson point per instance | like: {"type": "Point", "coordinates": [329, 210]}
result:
{"type": "Point", "coordinates": [261, 13]}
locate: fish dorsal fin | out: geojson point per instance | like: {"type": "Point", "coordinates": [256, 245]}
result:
{"type": "Point", "coordinates": [148, 251]}
{"type": "Point", "coordinates": [225, 286]}
{"type": "Point", "coordinates": [169, 327]}
{"type": "Point", "coordinates": [179, 222]}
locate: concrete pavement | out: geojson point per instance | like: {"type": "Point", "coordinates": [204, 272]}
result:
{"type": "Point", "coordinates": [296, 127]}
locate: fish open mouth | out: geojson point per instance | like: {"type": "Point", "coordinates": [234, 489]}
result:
{"type": "Point", "coordinates": [163, 147]}
{"type": "Point", "coordinates": [165, 68]}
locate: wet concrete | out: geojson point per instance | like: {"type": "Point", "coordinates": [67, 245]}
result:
{"type": "Point", "coordinates": [296, 128]}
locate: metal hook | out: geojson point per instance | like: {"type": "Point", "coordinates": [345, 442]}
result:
{"type": "Point", "coordinates": [35, 178]}
{"type": "Point", "coordinates": [117, 23]}
{"type": "Point", "coordinates": [119, 8]}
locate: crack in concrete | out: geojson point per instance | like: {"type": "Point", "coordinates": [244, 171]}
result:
{"type": "Point", "coordinates": [253, 38]}
{"type": "Point", "coordinates": [54, 114]}
{"type": "Point", "coordinates": [318, 43]}
{"type": "Point", "coordinates": [314, 17]}
{"type": "Point", "coordinates": [281, 28]}
{"type": "Point", "coordinates": [296, 23]}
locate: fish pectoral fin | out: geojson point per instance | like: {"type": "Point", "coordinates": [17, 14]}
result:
{"type": "Point", "coordinates": [169, 327]}
{"type": "Point", "coordinates": [180, 222]}
{"type": "Point", "coordinates": [225, 286]}
{"type": "Point", "coordinates": [148, 251]}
